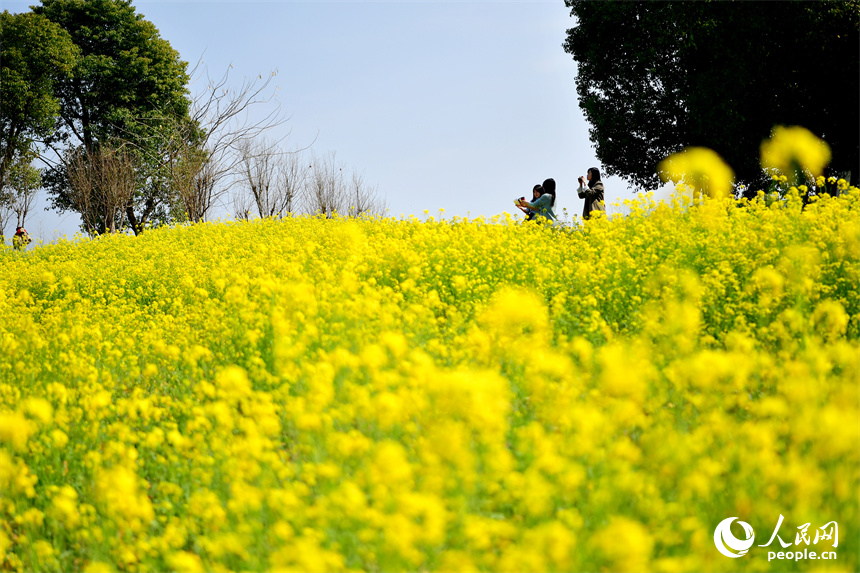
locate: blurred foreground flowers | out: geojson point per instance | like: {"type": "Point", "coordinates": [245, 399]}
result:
{"type": "Point", "coordinates": [795, 151]}
{"type": "Point", "coordinates": [331, 395]}
{"type": "Point", "coordinates": [701, 168]}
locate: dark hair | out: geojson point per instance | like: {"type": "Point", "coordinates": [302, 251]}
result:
{"type": "Point", "coordinates": [537, 188]}
{"type": "Point", "coordinates": [595, 176]}
{"type": "Point", "coordinates": [549, 187]}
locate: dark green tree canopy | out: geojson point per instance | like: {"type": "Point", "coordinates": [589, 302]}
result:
{"type": "Point", "coordinates": [34, 55]}
{"type": "Point", "coordinates": [125, 68]}
{"type": "Point", "coordinates": [126, 85]}
{"type": "Point", "coordinates": [655, 77]}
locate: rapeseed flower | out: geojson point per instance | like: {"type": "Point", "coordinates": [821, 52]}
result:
{"type": "Point", "coordinates": [701, 168]}
{"type": "Point", "coordinates": [405, 395]}
{"type": "Point", "coordinates": [794, 149]}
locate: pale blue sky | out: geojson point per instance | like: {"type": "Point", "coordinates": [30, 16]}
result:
{"type": "Point", "coordinates": [460, 105]}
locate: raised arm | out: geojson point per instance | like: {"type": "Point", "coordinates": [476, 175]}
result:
{"type": "Point", "coordinates": [586, 192]}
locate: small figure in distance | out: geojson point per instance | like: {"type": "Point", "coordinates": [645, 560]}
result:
{"type": "Point", "coordinates": [21, 239]}
{"type": "Point", "coordinates": [544, 204]}
{"type": "Point", "coordinates": [536, 193]}
{"type": "Point", "coordinates": [592, 193]}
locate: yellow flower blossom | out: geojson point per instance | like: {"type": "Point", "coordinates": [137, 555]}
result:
{"type": "Point", "coordinates": [795, 147]}
{"type": "Point", "coordinates": [701, 168]}
{"type": "Point", "coordinates": [626, 543]}
{"type": "Point", "coordinates": [99, 567]}
{"type": "Point", "coordinates": [40, 409]}
{"type": "Point", "coordinates": [185, 562]}
{"type": "Point", "coordinates": [65, 507]}
{"type": "Point", "coordinates": [16, 429]}
{"type": "Point", "coordinates": [120, 491]}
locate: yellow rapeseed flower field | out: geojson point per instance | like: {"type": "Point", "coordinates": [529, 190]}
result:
{"type": "Point", "coordinates": [314, 394]}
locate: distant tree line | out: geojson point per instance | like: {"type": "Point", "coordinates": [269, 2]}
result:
{"type": "Point", "coordinates": [655, 77]}
{"type": "Point", "coordinates": [276, 182]}
{"type": "Point", "coordinates": [92, 94]}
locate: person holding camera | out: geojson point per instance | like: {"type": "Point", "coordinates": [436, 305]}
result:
{"type": "Point", "coordinates": [592, 193]}
{"type": "Point", "coordinates": [542, 205]}
{"type": "Point", "coordinates": [536, 193]}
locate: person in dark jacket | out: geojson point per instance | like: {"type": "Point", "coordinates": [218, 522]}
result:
{"type": "Point", "coordinates": [592, 193]}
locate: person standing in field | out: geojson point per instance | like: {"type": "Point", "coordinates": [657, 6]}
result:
{"type": "Point", "coordinates": [592, 193]}
{"type": "Point", "coordinates": [21, 239]}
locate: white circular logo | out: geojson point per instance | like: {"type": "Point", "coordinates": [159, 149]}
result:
{"type": "Point", "coordinates": [726, 542]}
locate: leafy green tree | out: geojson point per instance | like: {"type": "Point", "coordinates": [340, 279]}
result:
{"type": "Point", "coordinates": [6, 198]}
{"type": "Point", "coordinates": [125, 72]}
{"type": "Point", "coordinates": [655, 77]}
{"type": "Point", "coordinates": [23, 183]}
{"type": "Point", "coordinates": [34, 55]}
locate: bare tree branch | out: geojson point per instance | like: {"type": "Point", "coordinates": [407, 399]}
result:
{"type": "Point", "coordinates": [324, 192]}
{"type": "Point", "coordinates": [327, 190]}
{"type": "Point", "coordinates": [103, 182]}
{"type": "Point", "coordinates": [363, 199]}
{"type": "Point", "coordinates": [292, 177]}
{"type": "Point", "coordinates": [271, 177]}
{"type": "Point", "coordinates": [224, 114]}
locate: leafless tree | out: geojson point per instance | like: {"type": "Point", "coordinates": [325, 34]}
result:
{"type": "Point", "coordinates": [292, 178]}
{"type": "Point", "coordinates": [200, 157]}
{"type": "Point", "coordinates": [363, 199]}
{"type": "Point", "coordinates": [224, 114]}
{"type": "Point", "coordinates": [200, 196]}
{"type": "Point", "coordinates": [103, 182]}
{"type": "Point", "coordinates": [221, 149]}
{"type": "Point", "coordinates": [190, 177]}
{"type": "Point", "coordinates": [243, 206]}
{"type": "Point", "coordinates": [271, 177]}
{"type": "Point", "coordinates": [325, 189]}
{"type": "Point", "coordinates": [328, 191]}
{"type": "Point", "coordinates": [258, 173]}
